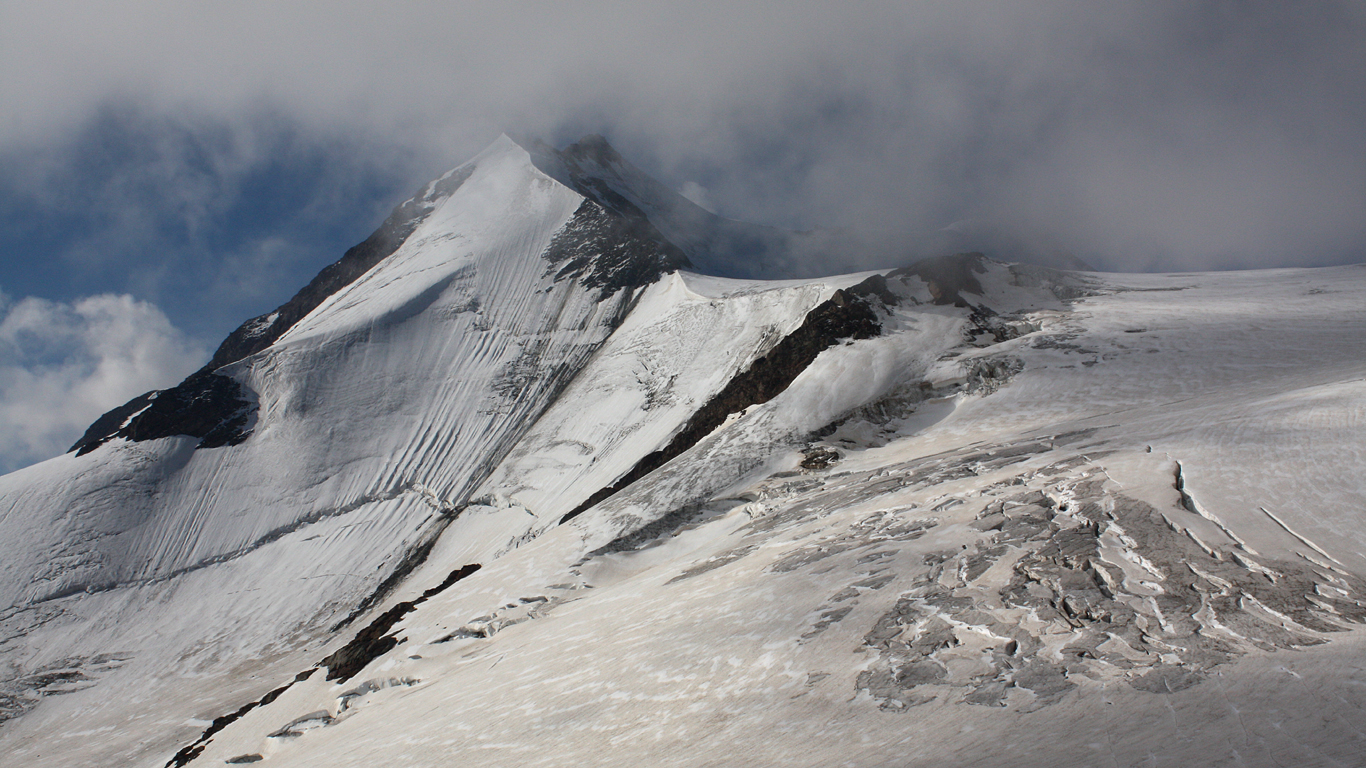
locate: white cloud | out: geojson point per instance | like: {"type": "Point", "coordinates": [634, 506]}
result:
{"type": "Point", "coordinates": [698, 194]}
{"type": "Point", "coordinates": [62, 365]}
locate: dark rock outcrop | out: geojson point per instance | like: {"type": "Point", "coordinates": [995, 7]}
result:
{"type": "Point", "coordinates": [343, 664]}
{"type": "Point", "coordinates": [948, 276]}
{"type": "Point", "coordinates": [188, 753]}
{"type": "Point", "coordinates": [613, 249]}
{"type": "Point", "coordinates": [375, 639]}
{"type": "Point", "coordinates": [207, 405]}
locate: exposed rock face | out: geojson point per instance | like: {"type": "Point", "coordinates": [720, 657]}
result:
{"type": "Point", "coordinates": [948, 276]}
{"type": "Point", "coordinates": [608, 251]}
{"type": "Point", "coordinates": [187, 754]}
{"type": "Point", "coordinates": [370, 642]}
{"type": "Point", "coordinates": [207, 405]}
{"type": "Point", "coordinates": [817, 457]}
{"type": "Point", "coordinates": [714, 244]}
{"type": "Point", "coordinates": [375, 638]}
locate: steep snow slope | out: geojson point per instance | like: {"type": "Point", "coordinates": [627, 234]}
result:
{"type": "Point", "coordinates": [520, 492]}
{"type": "Point", "coordinates": [350, 403]}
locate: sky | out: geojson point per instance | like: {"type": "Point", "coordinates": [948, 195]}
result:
{"type": "Point", "coordinates": [169, 169]}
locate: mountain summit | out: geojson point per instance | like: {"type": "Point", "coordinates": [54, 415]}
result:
{"type": "Point", "coordinates": [543, 473]}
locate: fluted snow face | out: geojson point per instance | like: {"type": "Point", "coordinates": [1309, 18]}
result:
{"type": "Point", "coordinates": [403, 384]}
{"type": "Point", "coordinates": [377, 414]}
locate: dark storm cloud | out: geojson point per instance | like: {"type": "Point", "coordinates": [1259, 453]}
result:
{"type": "Point", "coordinates": [1140, 135]}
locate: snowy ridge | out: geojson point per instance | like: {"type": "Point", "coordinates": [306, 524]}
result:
{"type": "Point", "coordinates": [653, 373]}
{"type": "Point", "coordinates": [322, 372]}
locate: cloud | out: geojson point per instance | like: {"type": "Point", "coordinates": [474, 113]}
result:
{"type": "Point", "coordinates": [209, 218]}
{"type": "Point", "coordinates": [697, 194]}
{"type": "Point", "coordinates": [62, 365]}
{"type": "Point", "coordinates": [1152, 134]}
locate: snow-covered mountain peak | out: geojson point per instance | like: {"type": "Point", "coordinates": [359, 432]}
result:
{"type": "Point", "coordinates": [497, 222]}
{"type": "Point", "coordinates": [485, 238]}
{"type": "Point", "coordinates": [506, 483]}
